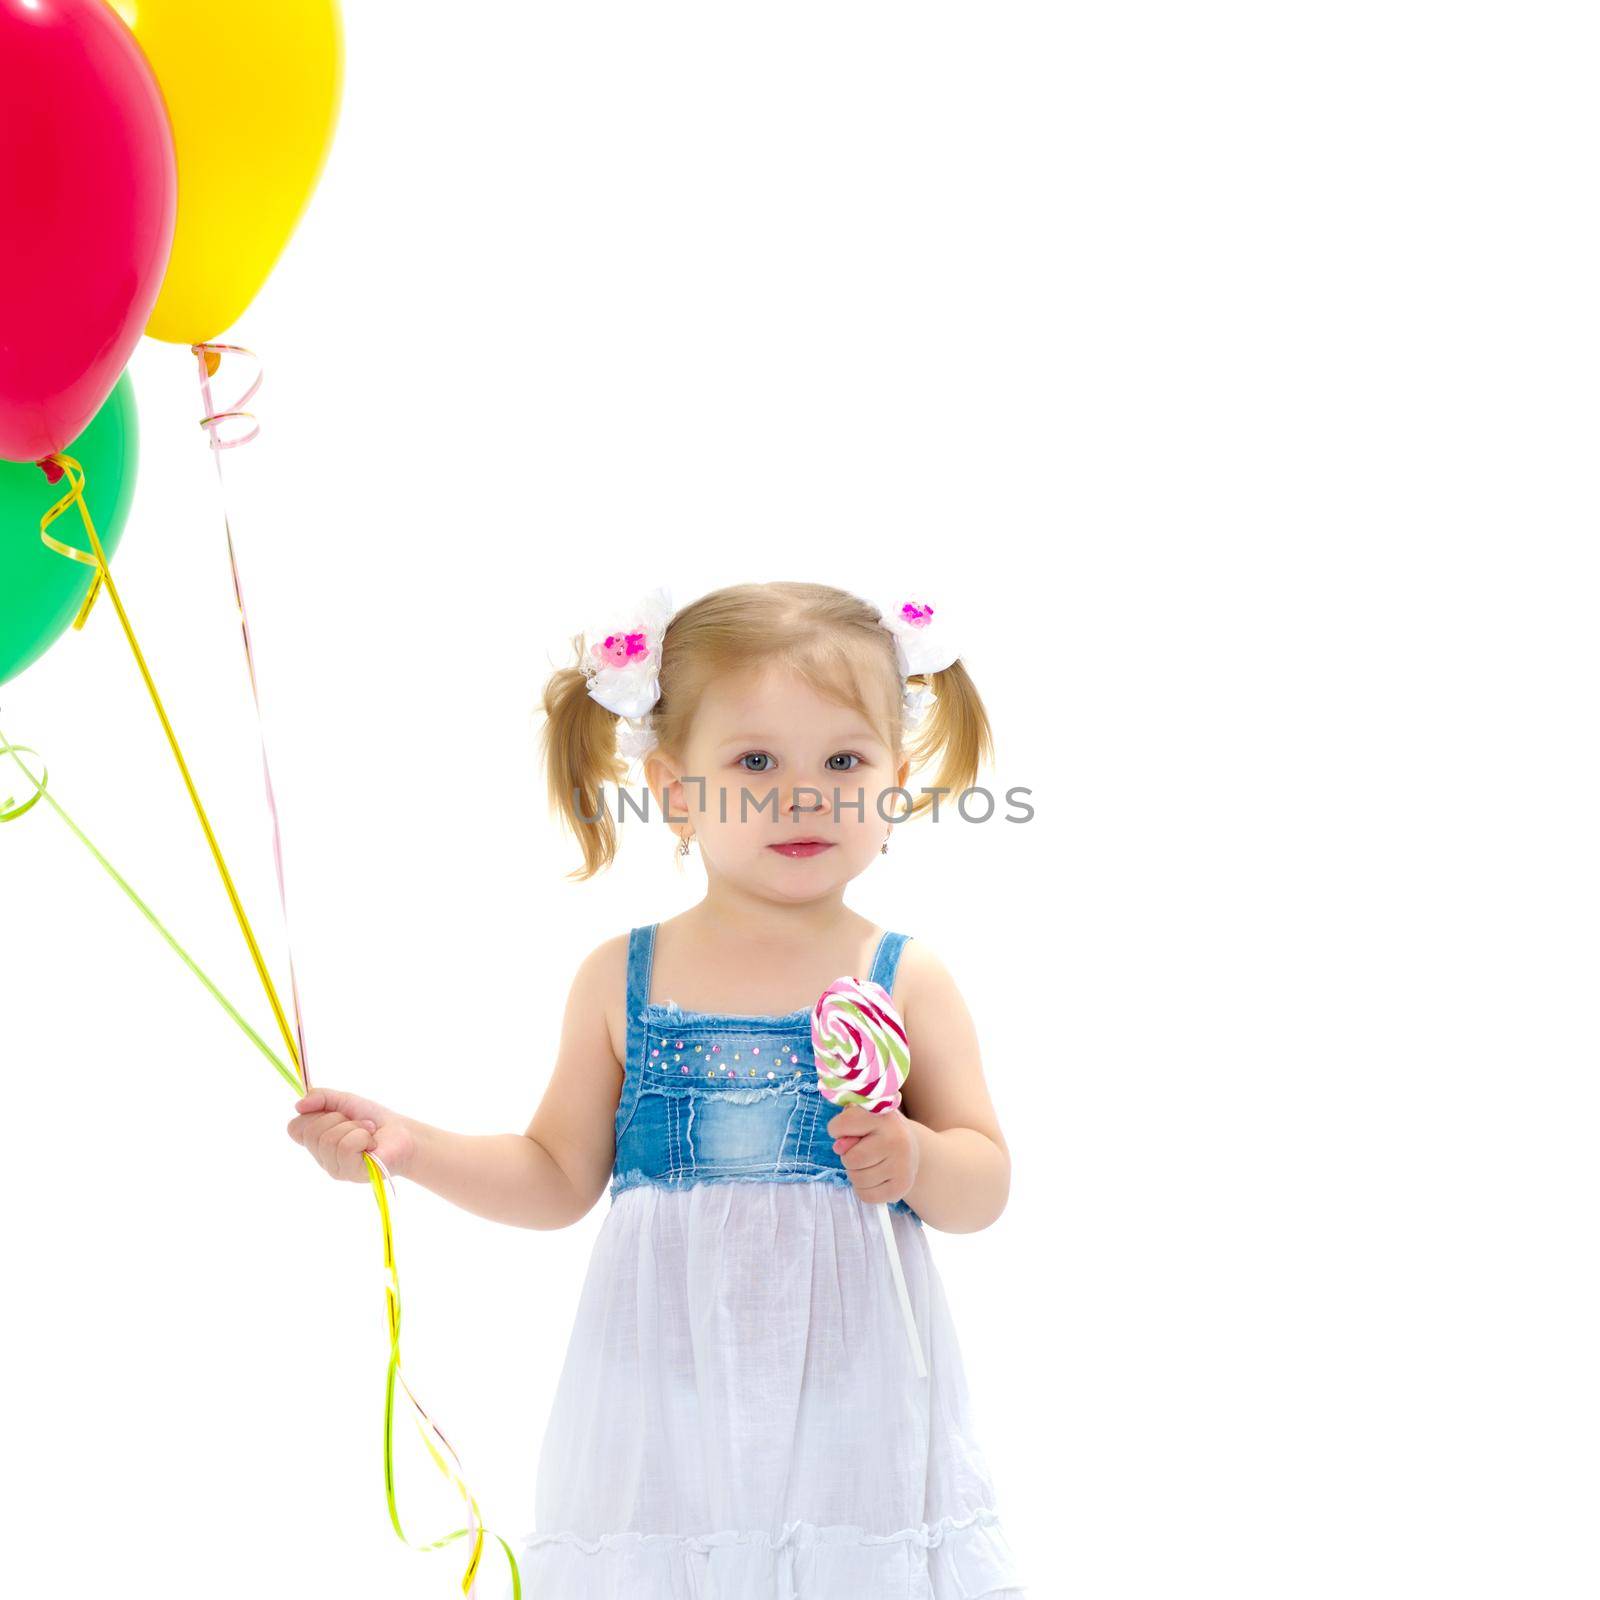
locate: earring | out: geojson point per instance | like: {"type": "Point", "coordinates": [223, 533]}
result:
{"type": "Point", "coordinates": [683, 844]}
{"type": "Point", "coordinates": [885, 850]}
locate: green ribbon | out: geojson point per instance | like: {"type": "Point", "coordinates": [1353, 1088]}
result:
{"type": "Point", "coordinates": [11, 809]}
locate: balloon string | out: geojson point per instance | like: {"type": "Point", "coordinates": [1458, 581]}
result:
{"type": "Point", "coordinates": [10, 810]}
{"type": "Point", "coordinates": [209, 357]}
{"type": "Point", "coordinates": [380, 1177]}
{"type": "Point", "coordinates": [95, 556]}
{"type": "Point", "coordinates": [54, 472]}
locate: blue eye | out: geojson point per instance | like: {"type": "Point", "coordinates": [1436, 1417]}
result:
{"type": "Point", "coordinates": [756, 755]}
{"type": "Point", "coordinates": [849, 756]}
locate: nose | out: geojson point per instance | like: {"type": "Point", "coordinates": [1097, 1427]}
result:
{"type": "Point", "coordinates": [808, 799]}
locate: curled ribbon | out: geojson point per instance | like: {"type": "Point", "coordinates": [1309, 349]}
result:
{"type": "Point", "coordinates": [210, 358]}
{"type": "Point", "coordinates": [379, 1175]}
{"type": "Point", "coordinates": [52, 468]}
{"type": "Point", "coordinates": [9, 809]}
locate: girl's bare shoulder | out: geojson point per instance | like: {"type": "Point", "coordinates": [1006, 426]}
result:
{"type": "Point", "coordinates": [601, 984]}
{"type": "Point", "coordinates": [922, 980]}
{"type": "Point", "coordinates": [920, 970]}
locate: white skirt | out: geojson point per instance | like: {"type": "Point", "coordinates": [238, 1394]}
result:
{"type": "Point", "coordinates": [739, 1416]}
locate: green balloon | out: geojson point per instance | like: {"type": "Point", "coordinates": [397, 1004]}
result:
{"type": "Point", "coordinates": [40, 589]}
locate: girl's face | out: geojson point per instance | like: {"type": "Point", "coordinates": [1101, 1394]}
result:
{"type": "Point", "coordinates": [770, 764]}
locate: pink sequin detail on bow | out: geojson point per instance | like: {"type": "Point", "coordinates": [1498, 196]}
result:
{"type": "Point", "coordinates": [619, 649]}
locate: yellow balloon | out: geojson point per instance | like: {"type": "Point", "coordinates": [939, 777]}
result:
{"type": "Point", "coordinates": [252, 90]}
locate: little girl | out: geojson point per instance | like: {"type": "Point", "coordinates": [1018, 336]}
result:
{"type": "Point", "coordinates": [739, 1416]}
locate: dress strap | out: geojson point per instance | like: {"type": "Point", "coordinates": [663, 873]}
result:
{"type": "Point", "coordinates": [641, 954]}
{"type": "Point", "coordinates": [641, 949]}
{"type": "Point", "coordinates": [887, 960]}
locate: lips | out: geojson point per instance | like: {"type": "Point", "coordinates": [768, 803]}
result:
{"type": "Point", "coordinates": [799, 848]}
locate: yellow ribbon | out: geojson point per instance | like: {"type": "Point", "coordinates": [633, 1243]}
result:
{"type": "Point", "coordinates": [90, 558]}
{"type": "Point", "coordinates": [391, 1289]}
{"type": "Point", "coordinates": [95, 557]}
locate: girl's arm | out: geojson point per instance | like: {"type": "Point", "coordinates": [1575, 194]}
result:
{"type": "Point", "coordinates": [963, 1174]}
{"type": "Point", "coordinates": [551, 1175]}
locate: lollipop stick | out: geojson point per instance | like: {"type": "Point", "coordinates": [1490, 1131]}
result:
{"type": "Point", "coordinates": [900, 1286]}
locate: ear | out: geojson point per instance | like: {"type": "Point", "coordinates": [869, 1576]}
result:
{"type": "Point", "coordinates": [661, 774]}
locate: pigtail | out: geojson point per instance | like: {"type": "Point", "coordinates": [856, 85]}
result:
{"type": "Point", "coordinates": [955, 730]}
{"type": "Point", "coordinates": [578, 743]}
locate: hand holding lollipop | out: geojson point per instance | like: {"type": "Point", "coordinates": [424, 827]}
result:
{"type": "Point", "coordinates": [862, 1057]}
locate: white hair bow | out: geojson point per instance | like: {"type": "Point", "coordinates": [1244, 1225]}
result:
{"type": "Point", "coordinates": [623, 665]}
{"type": "Point", "coordinates": [922, 647]}
{"type": "Point", "coordinates": [921, 644]}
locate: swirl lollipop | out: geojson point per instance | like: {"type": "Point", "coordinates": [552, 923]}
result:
{"type": "Point", "coordinates": [862, 1059]}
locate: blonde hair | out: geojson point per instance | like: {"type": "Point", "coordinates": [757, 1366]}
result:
{"type": "Point", "coordinates": [826, 636]}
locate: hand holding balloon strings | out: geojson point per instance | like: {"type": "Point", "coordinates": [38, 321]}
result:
{"type": "Point", "coordinates": [862, 1056]}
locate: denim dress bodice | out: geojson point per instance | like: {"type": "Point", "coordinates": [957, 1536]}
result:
{"type": "Point", "coordinates": [713, 1098]}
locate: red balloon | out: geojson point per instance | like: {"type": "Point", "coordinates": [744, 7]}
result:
{"type": "Point", "coordinates": [88, 202]}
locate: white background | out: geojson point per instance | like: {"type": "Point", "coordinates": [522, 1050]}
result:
{"type": "Point", "coordinates": [1231, 371]}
